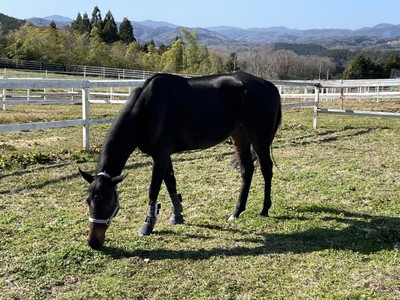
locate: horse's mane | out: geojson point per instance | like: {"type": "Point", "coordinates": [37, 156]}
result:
{"type": "Point", "coordinates": [117, 136]}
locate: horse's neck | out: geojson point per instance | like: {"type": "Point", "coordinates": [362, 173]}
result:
{"type": "Point", "coordinates": [113, 162]}
{"type": "Point", "coordinates": [118, 146]}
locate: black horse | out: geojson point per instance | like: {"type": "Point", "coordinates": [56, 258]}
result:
{"type": "Point", "coordinates": [170, 114]}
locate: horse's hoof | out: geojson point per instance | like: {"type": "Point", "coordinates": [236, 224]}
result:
{"type": "Point", "coordinates": [174, 220]}
{"type": "Point", "coordinates": [232, 218]}
{"type": "Point", "coordinates": [146, 229]}
{"type": "Point", "coordinates": [264, 216]}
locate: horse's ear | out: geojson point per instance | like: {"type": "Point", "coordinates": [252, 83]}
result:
{"type": "Point", "coordinates": [118, 179]}
{"type": "Point", "coordinates": [89, 178]}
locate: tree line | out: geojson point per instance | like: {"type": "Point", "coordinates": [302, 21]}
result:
{"type": "Point", "coordinates": [92, 40]}
{"type": "Point", "coordinates": [100, 42]}
{"type": "Point", "coordinates": [283, 62]}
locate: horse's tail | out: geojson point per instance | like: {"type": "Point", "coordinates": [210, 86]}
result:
{"type": "Point", "coordinates": [276, 127]}
{"type": "Point", "coordinates": [278, 122]}
{"type": "Point", "coordinates": [236, 162]}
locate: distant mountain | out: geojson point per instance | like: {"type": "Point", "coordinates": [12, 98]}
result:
{"type": "Point", "coordinates": [166, 33]}
{"type": "Point", "coordinates": [59, 20]}
{"type": "Point", "coordinates": [382, 36]}
{"type": "Point", "coordinates": [157, 24]}
{"type": "Point", "coordinates": [283, 34]}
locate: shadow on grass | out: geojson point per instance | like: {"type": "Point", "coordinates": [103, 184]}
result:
{"type": "Point", "coordinates": [328, 136]}
{"type": "Point", "coordinates": [364, 234]}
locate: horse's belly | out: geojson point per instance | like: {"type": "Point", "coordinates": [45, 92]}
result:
{"type": "Point", "coordinates": [205, 136]}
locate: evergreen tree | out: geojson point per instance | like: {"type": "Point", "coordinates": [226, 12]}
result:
{"type": "Point", "coordinates": [146, 46]}
{"type": "Point", "coordinates": [96, 20]}
{"type": "Point", "coordinates": [392, 62]}
{"type": "Point", "coordinates": [53, 25]}
{"type": "Point", "coordinates": [86, 25]}
{"type": "Point", "coordinates": [126, 32]}
{"type": "Point", "coordinates": [110, 29]}
{"type": "Point", "coordinates": [358, 68]}
{"type": "Point", "coordinates": [363, 68]}
{"type": "Point", "coordinates": [77, 24]}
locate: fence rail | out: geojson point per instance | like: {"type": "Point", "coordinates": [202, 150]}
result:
{"type": "Point", "coordinates": [84, 85]}
{"type": "Point", "coordinates": [75, 70]}
{"type": "Point", "coordinates": [86, 92]}
{"type": "Point", "coordinates": [341, 90]}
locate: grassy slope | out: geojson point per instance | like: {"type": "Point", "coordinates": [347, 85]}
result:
{"type": "Point", "coordinates": [333, 233]}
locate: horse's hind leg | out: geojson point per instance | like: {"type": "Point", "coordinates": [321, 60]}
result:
{"type": "Point", "coordinates": [265, 161]}
{"type": "Point", "coordinates": [243, 151]}
{"type": "Point", "coordinates": [176, 198]}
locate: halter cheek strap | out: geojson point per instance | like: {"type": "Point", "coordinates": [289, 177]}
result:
{"type": "Point", "coordinates": [105, 221]}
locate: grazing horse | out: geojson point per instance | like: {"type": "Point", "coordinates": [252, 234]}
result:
{"type": "Point", "coordinates": [170, 114]}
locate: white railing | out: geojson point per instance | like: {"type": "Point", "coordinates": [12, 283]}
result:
{"type": "Point", "coordinates": [85, 92]}
{"type": "Point", "coordinates": [83, 85]}
{"type": "Point", "coordinates": [341, 90]}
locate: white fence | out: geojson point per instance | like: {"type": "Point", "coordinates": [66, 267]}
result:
{"type": "Point", "coordinates": [48, 69]}
{"type": "Point", "coordinates": [83, 85]}
{"type": "Point", "coordinates": [310, 93]}
{"type": "Point", "coordinates": [301, 93]}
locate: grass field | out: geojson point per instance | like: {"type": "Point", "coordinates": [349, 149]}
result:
{"type": "Point", "coordinates": [334, 230]}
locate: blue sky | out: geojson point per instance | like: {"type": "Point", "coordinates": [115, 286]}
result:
{"type": "Point", "coordinates": [296, 14]}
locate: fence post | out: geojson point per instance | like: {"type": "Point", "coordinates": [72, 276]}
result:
{"type": "Point", "coordinates": [4, 99]}
{"type": "Point", "coordinates": [316, 106]}
{"type": "Point", "coordinates": [85, 118]}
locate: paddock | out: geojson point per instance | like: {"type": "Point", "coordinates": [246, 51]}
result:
{"type": "Point", "coordinates": [333, 230]}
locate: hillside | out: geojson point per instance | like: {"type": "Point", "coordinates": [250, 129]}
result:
{"type": "Point", "coordinates": [9, 23]}
{"type": "Point", "coordinates": [381, 36]}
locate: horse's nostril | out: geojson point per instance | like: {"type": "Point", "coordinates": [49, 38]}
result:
{"type": "Point", "coordinates": [94, 244]}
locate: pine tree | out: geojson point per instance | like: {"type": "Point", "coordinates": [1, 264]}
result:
{"type": "Point", "coordinates": [53, 25]}
{"type": "Point", "coordinates": [96, 20]}
{"type": "Point", "coordinates": [86, 26]}
{"type": "Point", "coordinates": [77, 24]}
{"type": "Point", "coordinates": [126, 32]}
{"type": "Point", "coordinates": [392, 62]}
{"type": "Point", "coordinates": [110, 30]}
{"type": "Point", "coordinates": [363, 68]}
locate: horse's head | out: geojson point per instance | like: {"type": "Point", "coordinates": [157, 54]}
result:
{"type": "Point", "coordinates": [102, 199]}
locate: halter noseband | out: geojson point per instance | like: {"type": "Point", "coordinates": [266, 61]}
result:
{"type": "Point", "coordinates": [105, 221]}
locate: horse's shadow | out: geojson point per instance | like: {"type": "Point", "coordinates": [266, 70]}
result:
{"type": "Point", "coordinates": [363, 233]}
{"type": "Point", "coordinates": [327, 136]}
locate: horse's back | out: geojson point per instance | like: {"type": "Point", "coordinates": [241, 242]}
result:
{"type": "Point", "coordinates": [201, 112]}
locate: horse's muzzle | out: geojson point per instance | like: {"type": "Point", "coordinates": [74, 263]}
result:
{"type": "Point", "coordinates": [95, 244]}
{"type": "Point", "coordinates": [97, 234]}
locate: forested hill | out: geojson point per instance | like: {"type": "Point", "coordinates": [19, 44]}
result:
{"type": "Point", "coordinates": [9, 23]}
{"type": "Point", "coordinates": [379, 37]}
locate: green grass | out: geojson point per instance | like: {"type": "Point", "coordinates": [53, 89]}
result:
{"type": "Point", "coordinates": [334, 230]}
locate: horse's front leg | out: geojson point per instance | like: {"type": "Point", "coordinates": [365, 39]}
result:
{"type": "Point", "coordinates": [176, 199]}
{"type": "Point", "coordinates": [159, 169]}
